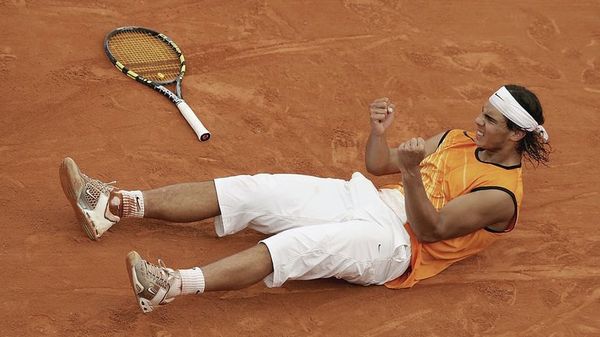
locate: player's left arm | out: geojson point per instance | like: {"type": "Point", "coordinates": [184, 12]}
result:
{"type": "Point", "coordinates": [460, 216]}
{"type": "Point", "coordinates": [463, 215]}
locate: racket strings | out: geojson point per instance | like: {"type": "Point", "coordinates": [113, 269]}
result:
{"type": "Point", "coordinates": [146, 55]}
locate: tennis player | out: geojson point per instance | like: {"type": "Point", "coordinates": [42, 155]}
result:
{"type": "Point", "coordinates": [460, 191]}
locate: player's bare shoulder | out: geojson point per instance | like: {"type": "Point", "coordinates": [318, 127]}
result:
{"type": "Point", "coordinates": [432, 143]}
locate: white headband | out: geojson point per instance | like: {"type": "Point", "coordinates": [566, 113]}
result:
{"type": "Point", "coordinates": [511, 109]}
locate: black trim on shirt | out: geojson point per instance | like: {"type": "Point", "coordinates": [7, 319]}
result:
{"type": "Point", "coordinates": [467, 135]}
{"type": "Point", "coordinates": [512, 196]}
{"type": "Point", "coordinates": [442, 139]}
{"type": "Point", "coordinates": [477, 150]}
{"type": "Point", "coordinates": [512, 167]}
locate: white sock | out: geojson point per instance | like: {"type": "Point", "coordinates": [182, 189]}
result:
{"type": "Point", "coordinates": [192, 281]}
{"type": "Point", "coordinates": [133, 204]}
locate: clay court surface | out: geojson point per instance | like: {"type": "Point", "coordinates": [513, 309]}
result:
{"type": "Point", "coordinates": [284, 87]}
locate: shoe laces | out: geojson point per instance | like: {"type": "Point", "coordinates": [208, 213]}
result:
{"type": "Point", "coordinates": [94, 188]}
{"type": "Point", "coordinates": [160, 274]}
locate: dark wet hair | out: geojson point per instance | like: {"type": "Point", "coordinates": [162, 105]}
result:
{"type": "Point", "coordinates": [532, 146]}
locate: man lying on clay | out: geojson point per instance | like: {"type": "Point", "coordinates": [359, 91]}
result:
{"type": "Point", "coordinates": [460, 191]}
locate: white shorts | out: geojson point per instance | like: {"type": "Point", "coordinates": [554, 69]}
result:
{"type": "Point", "coordinates": [323, 227]}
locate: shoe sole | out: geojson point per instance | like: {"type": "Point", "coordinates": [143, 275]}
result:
{"type": "Point", "coordinates": [69, 173]}
{"type": "Point", "coordinates": [130, 261]}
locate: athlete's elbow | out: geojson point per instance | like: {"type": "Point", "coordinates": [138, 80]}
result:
{"type": "Point", "coordinates": [432, 234]}
{"type": "Point", "coordinates": [429, 237]}
{"type": "Point", "coordinates": [374, 170]}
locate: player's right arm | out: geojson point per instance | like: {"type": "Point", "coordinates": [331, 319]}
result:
{"type": "Point", "coordinates": [380, 159]}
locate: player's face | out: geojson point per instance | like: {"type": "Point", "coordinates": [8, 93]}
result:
{"type": "Point", "coordinates": [492, 131]}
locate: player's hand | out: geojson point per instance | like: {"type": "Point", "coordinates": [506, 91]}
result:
{"type": "Point", "coordinates": [382, 114]}
{"type": "Point", "coordinates": [411, 153]}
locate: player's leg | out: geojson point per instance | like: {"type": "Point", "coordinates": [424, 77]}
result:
{"type": "Point", "coordinates": [360, 251]}
{"type": "Point", "coordinates": [272, 203]}
{"type": "Point", "coordinates": [99, 205]}
{"type": "Point", "coordinates": [185, 202]}
{"type": "Point", "coordinates": [156, 284]}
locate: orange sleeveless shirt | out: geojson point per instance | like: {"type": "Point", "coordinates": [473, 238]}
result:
{"type": "Point", "coordinates": [451, 171]}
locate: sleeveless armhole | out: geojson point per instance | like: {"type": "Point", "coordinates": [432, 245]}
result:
{"type": "Point", "coordinates": [442, 139]}
{"type": "Point", "coordinates": [511, 226]}
{"type": "Point", "coordinates": [467, 135]}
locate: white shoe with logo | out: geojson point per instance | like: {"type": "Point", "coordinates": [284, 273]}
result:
{"type": "Point", "coordinates": [89, 198]}
{"type": "Point", "coordinates": [152, 284]}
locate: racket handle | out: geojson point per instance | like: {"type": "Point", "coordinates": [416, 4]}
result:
{"type": "Point", "coordinates": [189, 115]}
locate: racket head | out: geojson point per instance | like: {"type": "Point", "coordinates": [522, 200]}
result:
{"type": "Point", "coordinates": [145, 55]}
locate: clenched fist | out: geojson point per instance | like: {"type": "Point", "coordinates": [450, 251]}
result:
{"type": "Point", "coordinates": [382, 115]}
{"type": "Point", "coordinates": [411, 153]}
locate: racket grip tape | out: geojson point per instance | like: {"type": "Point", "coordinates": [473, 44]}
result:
{"type": "Point", "coordinates": [189, 115]}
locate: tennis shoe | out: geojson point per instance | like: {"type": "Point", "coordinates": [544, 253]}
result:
{"type": "Point", "coordinates": [152, 284]}
{"type": "Point", "coordinates": [89, 198]}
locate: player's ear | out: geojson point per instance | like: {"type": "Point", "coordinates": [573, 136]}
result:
{"type": "Point", "coordinates": [517, 135]}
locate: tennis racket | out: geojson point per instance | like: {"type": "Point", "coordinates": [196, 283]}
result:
{"type": "Point", "coordinates": [155, 60]}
